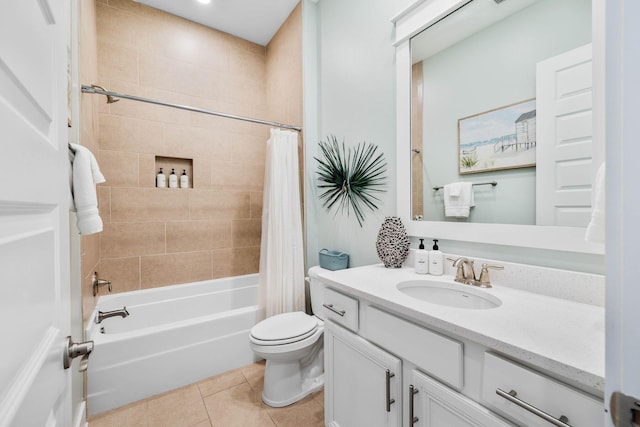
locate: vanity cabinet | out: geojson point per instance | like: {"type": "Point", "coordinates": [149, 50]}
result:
{"type": "Point", "coordinates": [362, 382]}
{"type": "Point", "coordinates": [432, 404]}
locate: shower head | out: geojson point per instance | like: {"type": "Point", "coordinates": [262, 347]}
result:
{"type": "Point", "coordinates": [110, 98]}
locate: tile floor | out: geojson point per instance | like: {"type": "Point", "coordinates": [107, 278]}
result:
{"type": "Point", "coordinates": [228, 400]}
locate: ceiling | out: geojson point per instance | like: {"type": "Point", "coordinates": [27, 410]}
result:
{"type": "Point", "coordinates": [253, 20]}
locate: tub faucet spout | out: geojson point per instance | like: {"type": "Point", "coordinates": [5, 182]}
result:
{"type": "Point", "coordinates": [122, 312]}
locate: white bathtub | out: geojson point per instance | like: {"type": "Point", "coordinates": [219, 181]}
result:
{"type": "Point", "coordinates": [174, 335]}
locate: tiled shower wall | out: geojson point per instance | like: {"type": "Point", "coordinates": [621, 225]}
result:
{"type": "Point", "coordinates": [157, 237]}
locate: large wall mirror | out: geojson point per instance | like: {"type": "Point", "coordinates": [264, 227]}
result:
{"type": "Point", "coordinates": [500, 95]}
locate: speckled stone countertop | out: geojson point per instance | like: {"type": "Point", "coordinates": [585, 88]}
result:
{"type": "Point", "coordinates": [561, 336]}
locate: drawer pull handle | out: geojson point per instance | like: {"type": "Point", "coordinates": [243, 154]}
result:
{"type": "Point", "coordinates": [412, 419]}
{"type": "Point", "coordinates": [336, 311]}
{"type": "Point", "coordinates": [511, 397]}
{"type": "Point", "coordinates": [389, 375]}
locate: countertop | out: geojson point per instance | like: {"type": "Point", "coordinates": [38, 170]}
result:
{"type": "Point", "coordinates": [563, 337]}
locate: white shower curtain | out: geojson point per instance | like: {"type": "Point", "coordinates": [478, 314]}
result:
{"type": "Point", "coordinates": [281, 282]}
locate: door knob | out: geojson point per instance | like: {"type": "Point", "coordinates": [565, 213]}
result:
{"type": "Point", "coordinates": [625, 410]}
{"type": "Point", "coordinates": [75, 349]}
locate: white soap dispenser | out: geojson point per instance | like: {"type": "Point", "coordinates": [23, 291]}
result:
{"type": "Point", "coordinates": [436, 260]}
{"type": "Point", "coordinates": [184, 179]}
{"type": "Point", "coordinates": [173, 179]}
{"type": "Point", "coordinates": [421, 259]}
{"type": "Point", "coordinates": [161, 179]}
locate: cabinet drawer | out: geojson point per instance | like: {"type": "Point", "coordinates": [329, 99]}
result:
{"type": "Point", "coordinates": [435, 354]}
{"type": "Point", "coordinates": [539, 391]}
{"type": "Point", "coordinates": [341, 309]}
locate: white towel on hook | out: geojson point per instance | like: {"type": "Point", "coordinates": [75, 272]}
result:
{"type": "Point", "coordinates": [85, 174]}
{"type": "Point", "coordinates": [595, 229]}
{"type": "Point", "coordinates": [458, 199]}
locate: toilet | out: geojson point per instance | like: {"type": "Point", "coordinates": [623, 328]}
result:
{"type": "Point", "coordinates": [292, 344]}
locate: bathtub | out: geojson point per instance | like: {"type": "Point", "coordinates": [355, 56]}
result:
{"type": "Point", "coordinates": [174, 336]}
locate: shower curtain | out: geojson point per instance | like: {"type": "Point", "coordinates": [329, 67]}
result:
{"type": "Point", "coordinates": [281, 278]}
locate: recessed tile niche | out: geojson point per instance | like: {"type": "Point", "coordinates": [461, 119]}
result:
{"type": "Point", "coordinates": [178, 165]}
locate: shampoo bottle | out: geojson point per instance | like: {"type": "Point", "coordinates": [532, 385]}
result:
{"type": "Point", "coordinates": [173, 179]}
{"type": "Point", "coordinates": [422, 259]}
{"type": "Point", "coordinates": [436, 260]}
{"type": "Point", "coordinates": [161, 179]}
{"type": "Point", "coordinates": [184, 179]}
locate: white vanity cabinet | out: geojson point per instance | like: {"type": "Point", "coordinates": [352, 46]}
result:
{"type": "Point", "coordinates": [432, 404]}
{"type": "Point", "coordinates": [362, 382]}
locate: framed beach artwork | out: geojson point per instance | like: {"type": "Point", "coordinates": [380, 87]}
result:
{"type": "Point", "coordinates": [502, 138]}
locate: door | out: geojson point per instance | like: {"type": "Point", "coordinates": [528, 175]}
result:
{"type": "Point", "coordinates": [362, 382]}
{"type": "Point", "coordinates": [621, 40]}
{"type": "Point", "coordinates": [435, 405]}
{"type": "Point", "coordinates": [565, 166]}
{"type": "Point", "coordinates": [34, 213]}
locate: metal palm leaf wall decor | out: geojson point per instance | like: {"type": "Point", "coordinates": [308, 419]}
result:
{"type": "Point", "coordinates": [350, 178]}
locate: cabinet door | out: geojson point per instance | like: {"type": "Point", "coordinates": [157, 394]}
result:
{"type": "Point", "coordinates": [363, 384]}
{"type": "Point", "coordinates": [435, 405]}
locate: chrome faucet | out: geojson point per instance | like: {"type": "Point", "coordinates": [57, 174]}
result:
{"type": "Point", "coordinates": [466, 274]}
{"type": "Point", "coordinates": [122, 312]}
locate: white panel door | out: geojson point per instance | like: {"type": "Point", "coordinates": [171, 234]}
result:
{"type": "Point", "coordinates": [34, 213]}
{"type": "Point", "coordinates": [436, 405]}
{"type": "Point", "coordinates": [356, 389]}
{"type": "Point", "coordinates": [564, 154]}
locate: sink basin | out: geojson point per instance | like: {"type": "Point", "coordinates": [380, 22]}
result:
{"type": "Point", "coordinates": [452, 295]}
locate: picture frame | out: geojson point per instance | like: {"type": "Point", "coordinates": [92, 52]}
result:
{"type": "Point", "coordinates": [498, 139]}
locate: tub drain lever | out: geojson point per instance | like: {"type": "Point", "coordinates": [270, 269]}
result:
{"type": "Point", "coordinates": [75, 349]}
{"type": "Point", "coordinates": [97, 282]}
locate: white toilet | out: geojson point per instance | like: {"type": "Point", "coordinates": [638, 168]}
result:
{"type": "Point", "coordinates": [292, 344]}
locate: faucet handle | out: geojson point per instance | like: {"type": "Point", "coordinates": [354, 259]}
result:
{"type": "Point", "coordinates": [484, 274]}
{"type": "Point", "coordinates": [459, 264]}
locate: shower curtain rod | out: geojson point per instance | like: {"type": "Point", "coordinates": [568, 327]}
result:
{"type": "Point", "coordinates": [91, 89]}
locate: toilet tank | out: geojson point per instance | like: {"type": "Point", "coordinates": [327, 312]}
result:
{"type": "Point", "coordinates": [316, 292]}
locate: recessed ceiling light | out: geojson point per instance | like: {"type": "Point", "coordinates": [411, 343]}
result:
{"type": "Point", "coordinates": [204, 1]}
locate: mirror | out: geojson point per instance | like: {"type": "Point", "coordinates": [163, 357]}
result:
{"type": "Point", "coordinates": [485, 82]}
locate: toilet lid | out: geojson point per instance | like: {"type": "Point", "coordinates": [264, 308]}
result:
{"type": "Point", "coordinates": [284, 327]}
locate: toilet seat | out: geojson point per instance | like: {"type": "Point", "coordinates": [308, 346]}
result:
{"type": "Point", "coordinates": [284, 328]}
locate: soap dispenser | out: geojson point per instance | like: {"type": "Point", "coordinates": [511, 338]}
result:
{"type": "Point", "coordinates": [436, 260]}
{"type": "Point", "coordinates": [184, 179]}
{"type": "Point", "coordinates": [161, 179]}
{"type": "Point", "coordinates": [173, 179]}
{"type": "Point", "coordinates": [422, 259]}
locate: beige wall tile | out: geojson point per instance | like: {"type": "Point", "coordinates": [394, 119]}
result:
{"type": "Point", "coordinates": [162, 270]}
{"type": "Point", "coordinates": [248, 149]}
{"type": "Point", "coordinates": [124, 273]}
{"type": "Point", "coordinates": [193, 142]}
{"type": "Point", "coordinates": [115, 61]}
{"type": "Point", "coordinates": [132, 239]}
{"type": "Point", "coordinates": [194, 43]}
{"type": "Point", "coordinates": [120, 168]}
{"type": "Point", "coordinates": [237, 176]}
{"type": "Point", "coordinates": [147, 170]}
{"type": "Point", "coordinates": [90, 249]}
{"type": "Point", "coordinates": [189, 236]}
{"type": "Point", "coordinates": [201, 174]}
{"type": "Point", "coordinates": [256, 204]}
{"type": "Point", "coordinates": [236, 261]}
{"type": "Point", "coordinates": [128, 30]}
{"type": "Point", "coordinates": [104, 203]}
{"type": "Point", "coordinates": [246, 232]}
{"type": "Point", "coordinates": [130, 134]}
{"type": "Point", "coordinates": [207, 204]}
{"type": "Point", "coordinates": [149, 204]}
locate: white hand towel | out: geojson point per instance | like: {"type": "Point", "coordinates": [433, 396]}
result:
{"type": "Point", "coordinates": [596, 227]}
{"type": "Point", "coordinates": [85, 175]}
{"type": "Point", "coordinates": [458, 205]}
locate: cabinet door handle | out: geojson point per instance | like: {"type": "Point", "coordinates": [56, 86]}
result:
{"type": "Point", "coordinates": [412, 419]}
{"type": "Point", "coordinates": [511, 397]}
{"type": "Point", "coordinates": [336, 311]}
{"type": "Point", "coordinates": [389, 375]}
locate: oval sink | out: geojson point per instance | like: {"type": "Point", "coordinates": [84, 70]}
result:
{"type": "Point", "coordinates": [443, 293]}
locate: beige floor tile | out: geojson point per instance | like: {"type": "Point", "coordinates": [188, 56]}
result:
{"type": "Point", "coordinates": [205, 423]}
{"type": "Point", "coordinates": [181, 407]}
{"type": "Point", "coordinates": [221, 382]}
{"type": "Point", "coordinates": [254, 374]}
{"type": "Point", "coordinates": [238, 406]}
{"type": "Point", "coordinates": [134, 415]}
{"type": "Point", "coordinates": [305, 413]}
{"type": "Point", "coordinates": [318, 397]}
